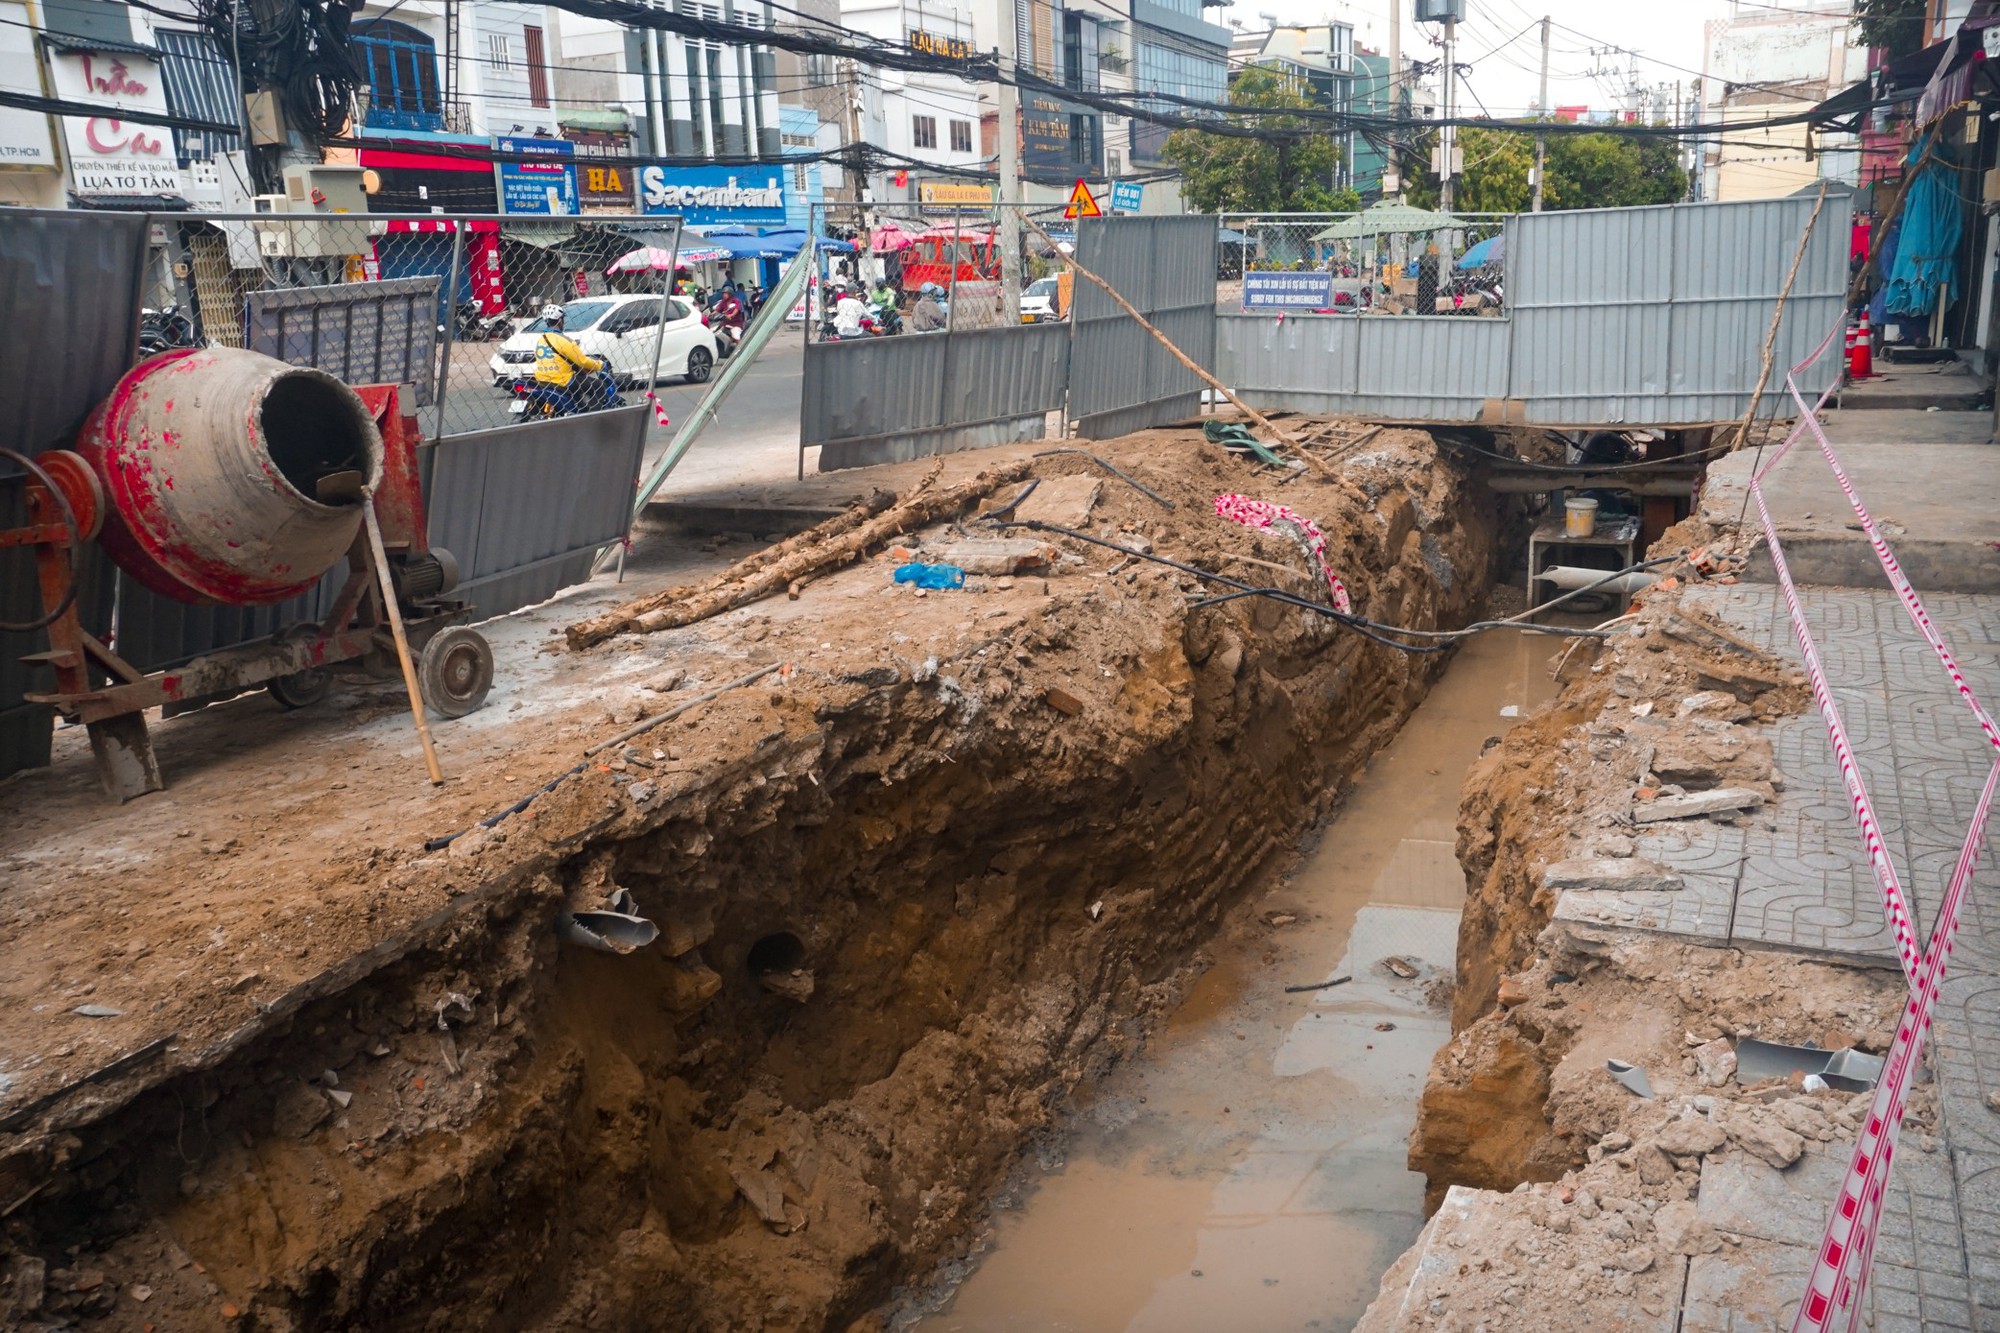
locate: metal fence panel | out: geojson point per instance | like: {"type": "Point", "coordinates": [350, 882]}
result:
{"type": "Point", "coordinates": [69, 287]}
{"type": "Point", "coordinates": [1164, 266]}
{"type": "Point", "coordinates": [382, 332]}
{"type": "Point", "coordinates": [881, 400]}
{"type": "Point", "coordinates": [517, 539]}
{"type": "Point", "coordinates": [1644, 316]}
{"type": "Point", "coordinates": [1657, 316]}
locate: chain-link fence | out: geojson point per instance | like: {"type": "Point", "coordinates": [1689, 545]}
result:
{"type": "Point", "coordinates": [453, 306]}
{"type": "Point", "coordinates": [909, 269]}
{"type": "Point", "coordinates": [1381, 262]}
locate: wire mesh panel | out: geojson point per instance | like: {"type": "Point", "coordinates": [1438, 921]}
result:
{"type": "Point", "coordinates": [451, 305]}
{"type": "Point", "coordinates": [1392, 261]}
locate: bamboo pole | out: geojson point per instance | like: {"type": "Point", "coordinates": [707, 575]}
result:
{"type": "Point", "coordinates": [1777, 317]}
{"type": "Point", "coordinates": [380, 559]}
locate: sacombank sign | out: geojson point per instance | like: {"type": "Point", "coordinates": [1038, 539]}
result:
{"type": "Point", "coordinates": [713, 194]}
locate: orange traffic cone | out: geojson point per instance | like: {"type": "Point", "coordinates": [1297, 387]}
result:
{"type": "Point", "coordinates": [1864, 350]}
{"type": "Point", "coordinates": [1849, 349]}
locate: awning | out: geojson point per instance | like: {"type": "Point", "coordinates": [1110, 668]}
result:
{"type": "Point", "coordinates": [167, 203]}
{"type": "Point", "coordinates": [546, 235]}
{"type": "Point", "coordinates": [68, 45]}
{"type": "Point", "coordinates": [1387, 219]}
{"type": "Point", "coordinates": [1951, 85]}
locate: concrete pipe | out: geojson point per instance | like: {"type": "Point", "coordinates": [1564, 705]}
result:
{"type": "Point", "coordinates": [1569, 578]}
{"type": "Point", "coordinates": [212, 460]}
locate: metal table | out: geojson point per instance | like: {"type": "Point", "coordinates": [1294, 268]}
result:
{"type": "Point", "coordinates": [1549, 540]}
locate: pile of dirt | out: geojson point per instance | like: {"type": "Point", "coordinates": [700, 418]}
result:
{"type": "Point", "coordinates": [911, 889]}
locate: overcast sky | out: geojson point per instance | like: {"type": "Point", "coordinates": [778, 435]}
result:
{"type": "Point", "coordinates": [1667, 35]}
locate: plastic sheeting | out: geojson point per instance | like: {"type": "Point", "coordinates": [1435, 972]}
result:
{"type": "Point", "coordinates": [1927, 246]}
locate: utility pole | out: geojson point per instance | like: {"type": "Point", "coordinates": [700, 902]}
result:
{"type": "Point", "coordinates": [1395, 89]}
{"type": "Point", "coordinates": [1542, 139]}
{"type": "Point", "coordinates": [857, 162]}
{"type": "Point", "coordinates": [1447, 133]}
{"type": "Point", "coordinates": [1009, 230]}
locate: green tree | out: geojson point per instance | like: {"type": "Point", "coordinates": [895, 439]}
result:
{"type": "Point", "coordinates": [1584, 171]}
{"type": "Point", "coordinates": [1286, 172]}
{"type": "Point", "coordinates": [1897, 26]}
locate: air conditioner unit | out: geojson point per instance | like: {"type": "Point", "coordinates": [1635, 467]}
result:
{"type": "Point", "coordinates": [1114, 163]}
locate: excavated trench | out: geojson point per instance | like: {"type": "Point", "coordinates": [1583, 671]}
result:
{"type": "Point", "coordinates": [906, 912]}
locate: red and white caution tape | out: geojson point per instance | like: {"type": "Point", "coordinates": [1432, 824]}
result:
{"type": "Point", "coordinates": [1263, 514]}
{"type": "Point", "coordinates": [659, 409]}
{"type": "Point", "coordinates": [1841, 1266]}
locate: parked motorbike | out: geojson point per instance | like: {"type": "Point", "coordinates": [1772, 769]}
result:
{"type": "Point", "coordinates": [591, 391]}
{"type": "Point", "coordinates": [165, 329]}
{"type": "Point", "coordinates": [469, 325]}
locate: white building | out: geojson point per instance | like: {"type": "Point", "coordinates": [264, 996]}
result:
{"type": "Point", "coordinates": [934, 118]}
{"type": "Point", "coordinates": [1763, 62]}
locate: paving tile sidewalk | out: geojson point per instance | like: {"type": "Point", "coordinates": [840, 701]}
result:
{"type": "Point", "coordinates": [1796, 879]}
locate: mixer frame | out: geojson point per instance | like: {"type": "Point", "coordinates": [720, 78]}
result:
{"type": "Point", "coordinates": [66, 506]}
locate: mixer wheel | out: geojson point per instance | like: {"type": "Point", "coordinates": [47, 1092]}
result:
{"type": "Point", "coordinates": [301, 689]}
{"type": "Point", "coordinates": [456, 671]}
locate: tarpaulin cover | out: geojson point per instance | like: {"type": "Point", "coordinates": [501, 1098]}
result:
{"type": "Point", "coordinates": [1927, 249]}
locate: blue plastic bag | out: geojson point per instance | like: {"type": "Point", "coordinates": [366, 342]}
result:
{"type": "Point", "coordinates": [931, 576]}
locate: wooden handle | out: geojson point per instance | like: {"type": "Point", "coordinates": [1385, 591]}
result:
{"type": "Point", "coordinates": [380, 559]}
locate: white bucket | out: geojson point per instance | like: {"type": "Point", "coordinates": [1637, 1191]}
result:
{"type": "Point", "coordinates": [1579, 516]}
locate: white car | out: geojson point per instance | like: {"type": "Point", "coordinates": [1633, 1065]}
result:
{"type": "Point", "coordinates": [622, 332]}
{"type": "Point", "coordinates": [1038, 301]}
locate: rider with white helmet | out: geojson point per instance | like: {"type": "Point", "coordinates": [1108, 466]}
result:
{"type": "Point", "coordinates": [558, 359]}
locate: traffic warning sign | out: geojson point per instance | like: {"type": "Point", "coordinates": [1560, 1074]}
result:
{"type": "Point", "coordinates": [1082, 203]}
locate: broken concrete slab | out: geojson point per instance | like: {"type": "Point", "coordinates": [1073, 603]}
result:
{"type": "Point", "coordinates": [1696, 803]}
{"type": "Point", "coordinates": [1629, 874]}
{"type": "Point", "coordinates": [1063, 501]}
{"type": "Point", "coordinates": [998, 555]}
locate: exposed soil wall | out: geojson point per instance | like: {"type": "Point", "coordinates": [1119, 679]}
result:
{"type": "Point", "coordinates": [1666, 695]}
{"type": "Point", "coordinates": [909, 898]}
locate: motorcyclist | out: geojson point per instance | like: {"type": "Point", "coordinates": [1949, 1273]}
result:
{"type": "Point", "coordinates": [883, 301]}
{"type": "Point", "coordinates": [565, 369]}
{"type": "Point", "coordinates": [928, 316]}
{"type": "Point", "coordinates": [848, 313]}
{"type": "Point", "coordinates": [729, 315]}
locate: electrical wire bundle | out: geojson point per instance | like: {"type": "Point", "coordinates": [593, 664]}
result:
{"type": "Point", "coordinates": [301, 49]}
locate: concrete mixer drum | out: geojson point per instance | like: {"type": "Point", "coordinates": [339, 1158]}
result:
{"type": "Point", "coordinates": [232, 478]}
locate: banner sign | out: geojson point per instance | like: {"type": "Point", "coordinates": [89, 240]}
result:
{"type": "Point", "coordinates": [712, 195]}
{"type": "Point", "coordinates": [545, 187]}
{"type": "Point", "coordinates": [1287, 291]}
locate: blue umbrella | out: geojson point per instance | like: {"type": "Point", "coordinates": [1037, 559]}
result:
{"type": "Point", "coordinates": [1492, 250]}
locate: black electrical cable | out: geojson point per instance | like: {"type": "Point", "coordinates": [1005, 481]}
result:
{"type": "Point", "coordinates": [1372, 630]}
{"type": "Point", "coordinates": [1573, 469]}
{"type": "Point", "coordinates": [34, 470]}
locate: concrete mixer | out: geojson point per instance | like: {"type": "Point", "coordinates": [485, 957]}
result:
{"type": "Point", "coordinates": [221, 477]}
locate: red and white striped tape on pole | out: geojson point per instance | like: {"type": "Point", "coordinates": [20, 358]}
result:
{"type": "Point", "coordinates": [1253, 513]}
{"type": "Point", "coordinates": [659, 409]}
{"type": "Point", "coordinates": [1840, 1268]}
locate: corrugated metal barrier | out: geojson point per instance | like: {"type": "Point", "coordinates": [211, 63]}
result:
{"type": "Point", "coordinates": [1121, 378]}
{"type": "Point", "coordinates": [882, 400]}
{"type": "Point", "coordinates": [1640, 316]}
{"type": "Point", "coordinates": [69, 284]}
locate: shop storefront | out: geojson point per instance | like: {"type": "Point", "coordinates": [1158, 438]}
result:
{"type": "Point", "coordinates": [413, 181]}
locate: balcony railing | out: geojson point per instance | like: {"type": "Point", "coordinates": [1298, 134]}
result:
{"type": "Point", "coordinates": [427, 115]}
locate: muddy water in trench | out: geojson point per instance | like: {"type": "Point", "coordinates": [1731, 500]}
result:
{"type": "Point", "coordinates": [1247, 1172]}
